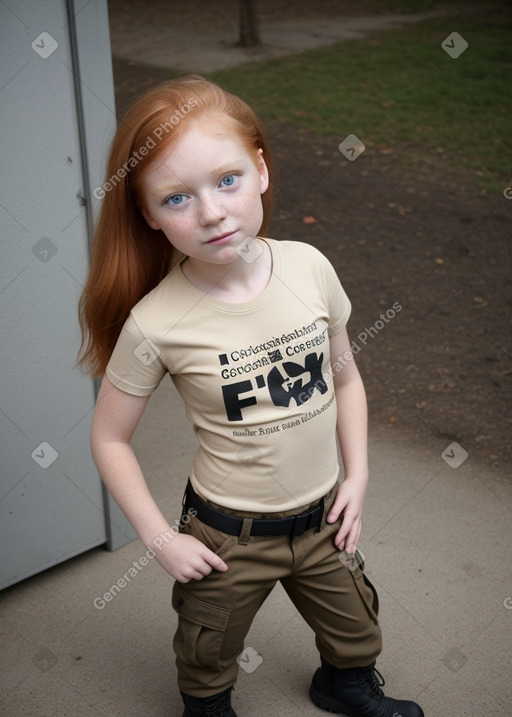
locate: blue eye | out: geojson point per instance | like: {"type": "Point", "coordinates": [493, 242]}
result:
{"type": "Point", "coordinates": [228, 180]}
{"type": "Point", "coordinates": [176, 199]}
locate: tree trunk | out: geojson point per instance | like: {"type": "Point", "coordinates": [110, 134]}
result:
{"type": "Point", "coordinates": [249, 32]}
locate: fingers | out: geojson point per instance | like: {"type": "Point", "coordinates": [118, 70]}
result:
{"type": "Point", "coordinates": [199, 563]}
{"type": "Point", "coordinates": [348, 534]}
{"type": "Point", "coordinates": [217, 563]}
{"type": "Point", "coordinates": [353, 537]}
{"type": "Point", "coordinates": [207, 562]}
{"type": "Point", "coordinates": [348, 504]}
{"type": "Point", "coordinates": [198, 572]}
{"type": "Point", "coordinates": [336, 509]}
{"type": "Point", "coordinates": [339, 540]}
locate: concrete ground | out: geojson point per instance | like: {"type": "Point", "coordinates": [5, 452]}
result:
{"type": "Point", "coordinates": [437, 539]}
{"type": "Point", "coordinates": [204, 36]}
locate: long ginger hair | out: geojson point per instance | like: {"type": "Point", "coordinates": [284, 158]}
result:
{"type": "Point", "coordinates": [128, 258]}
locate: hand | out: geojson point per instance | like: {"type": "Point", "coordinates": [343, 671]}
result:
{"type": "Point", "coordinates": [349, 501]}
{"type": "Point", "coordinates": [186, 558]}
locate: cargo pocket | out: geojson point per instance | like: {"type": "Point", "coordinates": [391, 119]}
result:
{"type": "Point", "coordinates": [201, 629]}
{"type": "Point", "coordinates": [367, 592]}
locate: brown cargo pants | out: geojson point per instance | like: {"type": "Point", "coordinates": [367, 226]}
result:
{"type": "Point", "coordinates": [215, 613]}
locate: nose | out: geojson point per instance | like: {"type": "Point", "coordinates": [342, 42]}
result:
{"type": "Point", "coordinates": [211, 210]}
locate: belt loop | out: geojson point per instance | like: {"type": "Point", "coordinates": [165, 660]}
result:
{"type": "Point", "coordinates": [245, 533]}
{"type": "Point", "coordinates": [323, 519]}
{"type": "Point", "coordinates": [184, 500]}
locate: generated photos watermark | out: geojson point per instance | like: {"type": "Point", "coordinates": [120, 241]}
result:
{"type": "Point", "coordinates": [45, 45]}
{"type": "Point", "coordinates": [44, 659]}
{"type": "Point", "coordinates": [147, 352]}
{"type": "Point", "coordinates": [249, 660]}
{"type": "Point", "coordinates": [249, 249]}
{"type": "Point", "coordinates": [44, 250]}
{"type": "Point", "coordinates": [100, 602]}
{"type": "Point", "coordinates": [454, 455]}
{"type": "Point", "coordinates": [364, 336]}
{"type": "Point", "coordinates": [291, 389]}
{"type": "Point", "coordinates": [454, 659]}
{"type": "Point", "coordinates": [352, 561]}
{"type": "Point", "coordinates": [44, 455]}
{"type": "Point", "coordinates": [157, 135]}
{"type": "Point", "coordinates": [454, 45]}
{"type": "Point", "coordinates": [351, 147]}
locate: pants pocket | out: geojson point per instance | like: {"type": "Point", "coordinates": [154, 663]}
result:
{"type": "Point", "coordinates": [216, 540]}
{"type": "Point", "coordinates": [367, 592]}
{"type": "Point", "coordinates": [201, 628]}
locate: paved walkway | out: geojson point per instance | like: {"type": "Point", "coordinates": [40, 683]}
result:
{"type": "Point", "coordinates": [206, 40]}
{"type": "Point", "coordinates": [437, 538]}
{"type": "Point", "coordinates": [437, 541]}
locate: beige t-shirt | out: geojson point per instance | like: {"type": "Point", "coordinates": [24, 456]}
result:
{"type": "Point", "coordinates": [255, 378]}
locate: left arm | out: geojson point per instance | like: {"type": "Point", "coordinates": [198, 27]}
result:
{"type": "Point", "coordinates": [352, 436]}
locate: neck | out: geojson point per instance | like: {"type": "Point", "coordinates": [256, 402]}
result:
{"type": "Point", "coordinates": [235, 282]}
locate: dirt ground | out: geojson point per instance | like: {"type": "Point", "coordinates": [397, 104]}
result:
{"type": "Point", "coordinates": [422, 237]}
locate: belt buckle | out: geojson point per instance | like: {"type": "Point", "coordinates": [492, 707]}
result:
{"type": "Point", "coordinates": [305, 521]}
{"type": "Point", "coordinates": [302, 523]}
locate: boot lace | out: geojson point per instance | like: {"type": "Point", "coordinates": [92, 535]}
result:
{"type": "Point", "coordinates": [217, 705]}
{"type": "Point", "coordinates": [373, 680]}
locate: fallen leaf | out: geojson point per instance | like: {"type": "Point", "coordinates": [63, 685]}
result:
{"type": "Point", "coordinates": [480, 302]}
{"type": "Point", "coordinates": [309, 220]}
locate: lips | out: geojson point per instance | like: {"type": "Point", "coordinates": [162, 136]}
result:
{"type": "Point", "coordinates": [221, 239]}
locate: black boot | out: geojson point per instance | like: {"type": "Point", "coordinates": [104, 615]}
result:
{"type": "Point", "coordinates": [214, 706]}
{"type": "Point", "coordinates": [357, 693]}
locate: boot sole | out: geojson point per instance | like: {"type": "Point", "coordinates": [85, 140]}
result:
{"type": "Point", "coordinates": [328, 703]}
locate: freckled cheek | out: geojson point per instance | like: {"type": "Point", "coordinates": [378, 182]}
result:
{"type": "Point", "coordinates": [253, 207]}
{"type": "Point", "coordinates": [250, 203]}
{"type": "Point", "coordinates": [178, 227]}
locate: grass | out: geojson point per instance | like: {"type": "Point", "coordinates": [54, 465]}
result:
{"type": "Point", "coordinates": [399, 91]}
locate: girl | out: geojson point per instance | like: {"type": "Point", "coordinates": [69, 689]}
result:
{"type": "Point", "coordinates": [252, 332]}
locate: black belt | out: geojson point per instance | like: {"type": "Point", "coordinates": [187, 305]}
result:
{"type": "Point", "coordinates": [232, 524]}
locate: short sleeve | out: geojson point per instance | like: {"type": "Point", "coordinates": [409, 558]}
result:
{"type": "Point", "coordinates": [135, 365]}
{"type": "Point", "coordinates": [338, 301]}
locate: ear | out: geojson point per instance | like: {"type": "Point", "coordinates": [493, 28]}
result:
{"type": "Point", "coordinates": [262, 171]}
{"type": "Point", "coordinates": [147, 216]}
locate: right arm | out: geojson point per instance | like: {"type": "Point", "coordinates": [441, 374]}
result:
{"type": "Point", "coordinates": [116, 416]}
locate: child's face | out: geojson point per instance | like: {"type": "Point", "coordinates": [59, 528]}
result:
{"type": "Point", "coordinates": [204, 193]}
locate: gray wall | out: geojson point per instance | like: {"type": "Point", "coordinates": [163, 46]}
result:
{"type": "Point", "coordinates": [56, 118]}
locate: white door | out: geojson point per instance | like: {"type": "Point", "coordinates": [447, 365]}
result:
{"type": "Point", "coordinates": [52, 503]}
